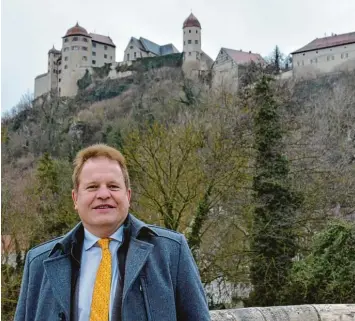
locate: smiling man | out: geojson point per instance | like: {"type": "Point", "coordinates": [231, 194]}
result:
{"type": "Point", "coordinates": [111, 266]}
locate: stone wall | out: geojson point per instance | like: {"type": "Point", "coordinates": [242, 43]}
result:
{"type": "Point", "coordinates": [317, 312]}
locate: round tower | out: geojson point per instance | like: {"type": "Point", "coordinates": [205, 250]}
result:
{"type": "Point", "coordinates": [76, 58]}
{"type": "Point", "coordinates": [192, 38]}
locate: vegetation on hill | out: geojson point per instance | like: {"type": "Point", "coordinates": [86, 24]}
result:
{"type": "Point", "coordinates": [209, 164]}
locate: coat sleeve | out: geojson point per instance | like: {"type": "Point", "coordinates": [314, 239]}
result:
{"type": "Point", "coordinates": [191, 303]}
{"type": "Point", "coordinates": [20, 313]}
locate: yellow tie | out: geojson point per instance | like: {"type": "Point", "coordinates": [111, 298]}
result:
{"type": "Point", "coordinates": [101, 296]}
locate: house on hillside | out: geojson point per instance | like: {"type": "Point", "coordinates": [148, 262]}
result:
{"type": "Point", "coordinates": [140, 48]}
{"type": "Point", "coordinates": [325, 55]}
{"type": "Point", "coordinates": [229, 66]}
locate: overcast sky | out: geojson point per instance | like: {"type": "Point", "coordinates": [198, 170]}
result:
{"type": "Point", "coordinates": [29, 28]}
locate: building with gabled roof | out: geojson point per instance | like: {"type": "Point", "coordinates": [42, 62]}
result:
{"type": "Point", "coordinates": [229, 65]}
{"type": "Point", "coordinates": [325, 55]}
{"type": "Point", "coordinates": [142, 47]}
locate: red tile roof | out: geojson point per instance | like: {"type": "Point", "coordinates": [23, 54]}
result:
{"type": "Point", "coordinates": [76, 31]}
{"type": "Point", "coordinates": [326, 42]}
{"type": "Point", "coordinates": [191, 21]}
{"type": "Point", "coordinates": [243, 57]}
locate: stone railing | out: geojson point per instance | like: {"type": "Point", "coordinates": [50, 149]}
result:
{"type": "Point", "coordinates": [316, 312]}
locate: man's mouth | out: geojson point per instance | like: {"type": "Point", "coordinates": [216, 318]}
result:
{"type": "Point", "coordinates": [103, 206]}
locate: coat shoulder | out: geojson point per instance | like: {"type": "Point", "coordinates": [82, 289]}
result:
{"type": "Point", "coordinates": [166, 233]}
{"type": "Point", "coordinates": [42, 248]}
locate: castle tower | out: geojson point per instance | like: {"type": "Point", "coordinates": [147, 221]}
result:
{"type": "Point", "coordinates": [53, 67]}
{"type": "Point", "coordinates": [192, 38]}
{"type": "Point", "coordinates": [76, 58]}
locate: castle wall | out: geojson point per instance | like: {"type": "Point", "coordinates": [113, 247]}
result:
{"type": "Point", "coordinates": [42, 85]}
{"type": "Point", "coordinates": [103, 54]}
{"type": "Point", "coordinates": [312, 63]}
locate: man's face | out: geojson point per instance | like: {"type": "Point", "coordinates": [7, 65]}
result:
{"type": "Point", "coordinates": [102, 199]}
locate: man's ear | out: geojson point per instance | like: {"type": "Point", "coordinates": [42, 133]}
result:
{"type": "Point", "coordinates": [74, 196]}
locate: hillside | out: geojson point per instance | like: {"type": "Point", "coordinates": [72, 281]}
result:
{"type": "Point", "coordinates": [193, 149]}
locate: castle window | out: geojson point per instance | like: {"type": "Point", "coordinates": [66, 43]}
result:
{"type": "Point", "coordinates": [60, 71]}
{"type": "Point", "coordinates": [66, 48]}
{"type": "Point", "coordinates": [66, 67]}
{"type": "Point", "coordinates": [131, 47]}
{"type": "Point", "coordinates": [94, 62]}
{"type": "Point", "coordinates": [105, 56]}
{"type": "Point", "coordinates": [84, 48]}
{"type": "Point", "coordinates": [189, 53]}
{"type": "Point", "coordinates": [66, 40]}
{"type": "Point", "coordinates": [196, 42]}
{"type": "Point", "coordinates": [85, 40]}
{"type": "Point", "coordinates": [75, 39]}
{"type": "Point", "coordinates": [94, 53]}
{"type": "Point", "coordinates": [184, 42]}
{"type": "Point", "coordinates": [105, 47]}
{"type": "Point", "coordinates": [346, 55]}
{"type": "Point", "coordinates": [94, 44]}
{"type": "Point", "coordinates": [189, 41]}
{"type": "Point", "coordinates": [85, 58]}
{"type": "Point", "coordinates": [190, 31]}
{"type": "Point", "coordinates": [59, 80]}
{"type": "Point", "coordinates": [135, 55]}
{"type": "Point", "coordinates": [111, 57]}
{"type": "Point", "coordinates": [60, 90]}
{"type": "Point", "coordinates": [196, 31]}
{"type": "Point", "coordinates": [75, 48]}
{"type": "Point", "coordinates": [65, 58]}
{"type": "Point", "coordinates": [128, 56]}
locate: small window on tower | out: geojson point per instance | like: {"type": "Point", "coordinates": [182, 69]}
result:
{"type": "Point", "coordinates": [189, 53]}
{"type": "Point", "coordinates": [75, 39]}
{"type": "Point", "coordinates": [65, 58]}
{"type": "Point", "coordinates": [196, 42]}
{"type": "Point", "coordinates": [85, 58]}
{"type": "Point", "coordinates": [94, 62]}
{"type": "Point", "coordinates": [189, 41]}
{"type": "Point", "coordinates": [66, 67]}
{"type": "Point", "coordinates": [105, 56]}
{"type": "Point", "coordinates": [196, 31]}
{"type": "Point", "coordinates": [128, 56]}
{"type": "Point", "coordinates": [189, 30]}
{"type": "Point", "coordinates": [135, 55]}
{"type": "Point", "coordinates": [184, 42]}
{"type": "Point", "coordinates": [94, 53]}
{"type": "Point", "coordinates": [94, 44]}
{"type": "Point", "coordinates": [59, 80]}
{"type": "Point", "coordinates": [66, 40]}
{"type": "Point", "coordinates": [85, 40]}
{"type": "Point", "coordinates": [105, 47]}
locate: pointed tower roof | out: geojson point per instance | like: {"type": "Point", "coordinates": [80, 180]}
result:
{"type": "Point", "coordinates": [77, 31]}
{"type": "Point", "coordinates": [191, 21]}
{"type": "Point", "coordinates": [53, 50]}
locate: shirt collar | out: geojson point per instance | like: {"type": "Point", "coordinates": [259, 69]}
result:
{"type": "Point", "coordinates": [91, 239]}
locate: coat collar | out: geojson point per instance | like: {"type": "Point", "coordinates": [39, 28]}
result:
{"type": "Point", "coordinates": [135, 228]}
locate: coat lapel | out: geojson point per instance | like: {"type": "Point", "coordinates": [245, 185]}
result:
{"type": "Point", "coordinates": [137, 256]}
{"type": "Point", "coordinates": [58, 270]}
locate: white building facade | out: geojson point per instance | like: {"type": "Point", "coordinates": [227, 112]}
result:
{"type": "Point", "coordinates": [325, 55]}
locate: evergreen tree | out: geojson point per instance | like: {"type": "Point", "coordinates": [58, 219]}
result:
{"type": "Point", "coordinates": [273, 243]}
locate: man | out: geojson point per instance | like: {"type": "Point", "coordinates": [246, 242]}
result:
{"type": "Point", "coordinates": [111, 266]}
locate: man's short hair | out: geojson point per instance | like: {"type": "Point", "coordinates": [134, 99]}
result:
{"type": "Point", "coordinates": [94, 151]}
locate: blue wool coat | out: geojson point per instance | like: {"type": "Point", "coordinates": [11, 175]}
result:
{"type": "Point", "coordinates": [161, 280]}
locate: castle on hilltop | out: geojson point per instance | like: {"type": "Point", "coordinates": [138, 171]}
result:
{"type": "Point", "coordinates": [82, 51]}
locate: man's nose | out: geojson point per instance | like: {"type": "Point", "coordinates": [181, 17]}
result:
{"type": "Point", "coordinates": [103, 192]}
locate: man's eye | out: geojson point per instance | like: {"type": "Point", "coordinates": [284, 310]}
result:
{"type": "Point", "coordinates": [91, 187]}
{"type": "Point", "coordinates": [114, 186]}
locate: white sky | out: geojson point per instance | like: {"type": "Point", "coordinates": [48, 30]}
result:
{"type": "Point", "coordinates": [29, 28]}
